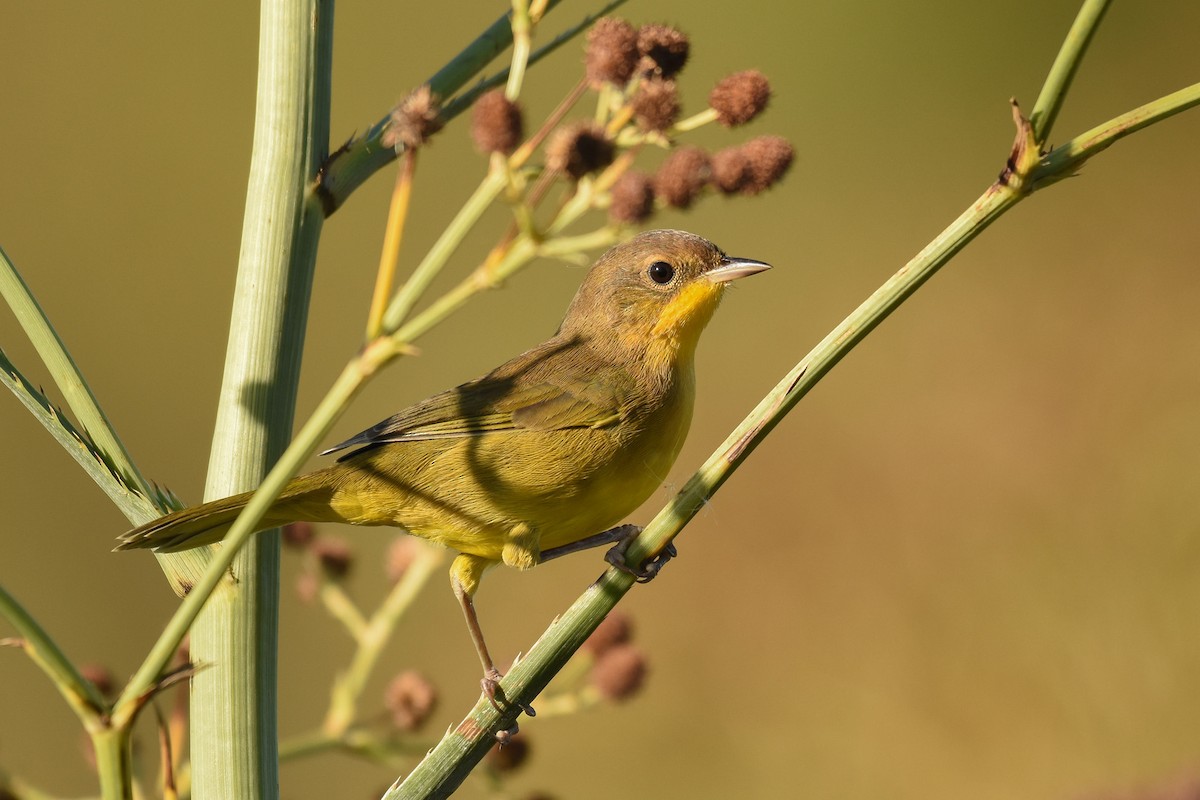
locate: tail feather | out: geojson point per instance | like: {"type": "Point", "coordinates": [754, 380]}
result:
{"type": "Point", "coordinates": [208, 523]}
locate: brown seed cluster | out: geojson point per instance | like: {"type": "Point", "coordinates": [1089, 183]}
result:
{"type": "Point", "coordinates": [656, 105]}
{"type": "Point", "coordinates": [411, 698]}
{"type": "Point", "coordinates": [614, 629]}
{"type": "Point", "coordinates": [496, 123]}
{"type": "Point", "coordinates": [664, 50]}
{"type": "Point", "coordinates": [682, 176]}
{"type": "Point", "coordinates": [414, 120]}
{"type": "Point", "coordinates": [619, 672]}
{"type": "Point", "coordinates": [579, 149]}
{"type": "Point", "coordinates": [334, 555]}
{"type": "Point", "coordinates": [298, 535]}
{"type": "Point", "coordinates": [632, 198]}
{"type": "Point", "coordinates": [740, 97]}
{"type": "Point", "coordinates": [612, 52]}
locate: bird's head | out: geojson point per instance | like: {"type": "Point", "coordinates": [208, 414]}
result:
{"type": "Point", "coordinates": [654, 294]}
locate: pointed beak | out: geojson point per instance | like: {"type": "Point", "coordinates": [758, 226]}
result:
{"type": "Point", "coordinates": [730, 269]}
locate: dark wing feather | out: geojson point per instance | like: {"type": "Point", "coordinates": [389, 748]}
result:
{"type": "Point", "coordinates": [490, 404]}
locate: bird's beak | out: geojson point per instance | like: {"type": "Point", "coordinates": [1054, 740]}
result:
{"type": "Point", "coordinates": [730, 269]}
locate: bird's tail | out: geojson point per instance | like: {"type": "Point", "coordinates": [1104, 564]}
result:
{"type": "Point", "coordinates": [303, 499]}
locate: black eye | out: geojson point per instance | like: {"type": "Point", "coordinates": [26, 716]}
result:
{"type": "Point", "coordinates": [661, 272]}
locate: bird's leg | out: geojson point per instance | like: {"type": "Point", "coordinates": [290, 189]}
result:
{"type": "Point", "coordinates": [617, 534]}
{"type": "Point", "coordinates": [650, 568]}
{"type": "Point", "coordinates": [464, 579]}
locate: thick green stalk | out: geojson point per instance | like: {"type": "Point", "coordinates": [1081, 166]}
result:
{"type": "Point", "coordinates": [233, 735]}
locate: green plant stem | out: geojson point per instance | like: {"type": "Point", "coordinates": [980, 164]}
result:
{"type": "Point", "coordinates": [66, 374]}
{"type": "Point", "coordinates": [441, 251]}
{"type": "Point", "coordinates": [328, 411]}
{"type": "Point", "coordinates": [349, 685]}
{"type": "Point", "coordinates": [444, 769]}
{"type": "Point", "coordinates": [79, 446]}
{"type": "Point", "coordinates": [522, 31]}
{"type": "Point", "coordinates": [79, 692]}
{"type": "Point", "coordinates": [1064, 160]}
{"type": "Point", "coordinates": [113, 763]}
{"type": "Point", "coordinates": [1062, 71]}
{"type": "Point", "coordinates": [233, 719]}
{"type": "Point", "coordinates": [342, 608]}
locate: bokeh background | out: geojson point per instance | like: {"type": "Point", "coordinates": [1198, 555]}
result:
{"type": "Point", "coordinates": [967, 565]}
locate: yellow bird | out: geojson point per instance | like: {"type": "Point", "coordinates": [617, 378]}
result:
{"type": "Point", "coordinates": [533, 459]}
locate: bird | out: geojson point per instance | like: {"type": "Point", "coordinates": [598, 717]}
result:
{"type": "Point", "coordinates": [540, 457]}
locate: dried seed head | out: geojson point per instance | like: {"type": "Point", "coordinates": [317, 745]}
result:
{"type": "Point", "coordinates": [613, 630]}
{"type": "Point", "coordinates": [770, 157]}
{"type": "Point", "coordinates": [730, 170]}
{"type": "Point", "coordinates": [400, 555]}
{"type": "Point", "coordinates": [740, 97]}
{"type": "Point", "coordinates": [664, 50]}
{"type": "Point", "coordinates": [335, 556]}
{"type": "Point", "coordinates": [632, 202]}
{"type": "Point", "coordinates": [411, 698]}
{"type": "Point", "coordinates": [656, 105]}
{"type": "Point", "coordinates": [101, 677]}
{"type": "Point", "coordinates": [579, 149]}
{"type": "Point", "coordinates": [496, 124]}
{"type": "Point", "coordinates": [299, 535]}
{"type": "Point", "coordinates": [414, 120]}
{"type": "Point", "coordinates": [681, 177]}
{"type": "Point", "coordinates": [619, 672]}
{"type": "Point", "coordinates": [509, 755]}
{"type": "Point", "coordinates": [612, 52]}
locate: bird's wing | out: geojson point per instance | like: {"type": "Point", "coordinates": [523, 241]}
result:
{"type": "Point", "coordinates": [489, 405]}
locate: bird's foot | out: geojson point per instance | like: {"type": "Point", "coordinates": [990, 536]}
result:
{"type": "Point", "coordinates": [490, 683]}
{"type": "Point", "coordinates": [649, 569]}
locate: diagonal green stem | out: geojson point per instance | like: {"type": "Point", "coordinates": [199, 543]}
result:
{"type": "Point", "coordinates": [67, 375]}
{"type": "Point", "coordinates": [1062, 71]}
{"type": "Point", "coordinates": [1062, 161]}
{"type": "Point", "coordinates": [79, 692]}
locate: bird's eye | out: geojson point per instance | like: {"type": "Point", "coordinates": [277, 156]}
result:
{"type": "Point", "coordinates": [661, 272]}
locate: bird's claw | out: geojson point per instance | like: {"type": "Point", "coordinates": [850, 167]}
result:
{"type": "Point", "coordinates": [649, 569]}
{"type": "Point", "coordinates": [490, 683]}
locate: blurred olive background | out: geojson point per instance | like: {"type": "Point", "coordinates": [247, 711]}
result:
{"type": "Point", "coordinates": [967, 565]}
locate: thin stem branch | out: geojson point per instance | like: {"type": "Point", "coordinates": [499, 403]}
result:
{"type": "Point", "coordinates": [1062, 71]}
{"type": "Point", "coordinates": [1065, 159]}
{"type": "Point", "coordinates": [78, 691]}
{"type": "Point", "coordinates": [392, 235]}
{"type": "Point", "coordinates": [522, 30]}
{"type": "Point", "coordinates": [445, 246]}
{"type": "Point", "coordinates": [349, 686]}
{"type": "Point", "coordinates": [67, 376]}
